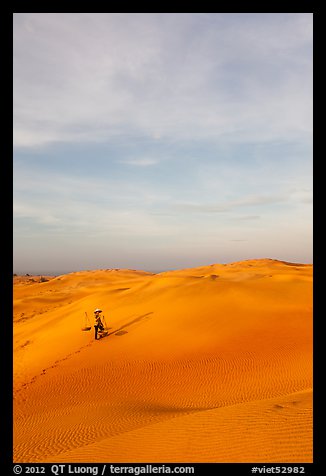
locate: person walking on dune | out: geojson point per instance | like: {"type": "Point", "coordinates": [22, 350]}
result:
{"type": "Point", "coordinates": [98, 323]}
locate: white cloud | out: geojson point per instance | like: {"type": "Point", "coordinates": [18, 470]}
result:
{"type": "Point", "coordinates": [92, 76]}
{"type": "Point", "coordinates": [140, 162]}
{"type": "Point", "coordinates": [226, 206]}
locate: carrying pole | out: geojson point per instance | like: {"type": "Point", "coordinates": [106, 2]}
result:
{"type": "Point", "coordinates": [87, 323]}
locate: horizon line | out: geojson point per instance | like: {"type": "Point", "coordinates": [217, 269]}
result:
{"type": "Point", "coordinates": [52, 273]}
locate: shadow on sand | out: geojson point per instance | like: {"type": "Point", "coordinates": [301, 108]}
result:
{"type": "Point", "coordinates": [121, 332]}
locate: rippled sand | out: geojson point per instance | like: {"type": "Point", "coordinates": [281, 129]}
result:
{"type": "Point", "coordinates": [212, 364]}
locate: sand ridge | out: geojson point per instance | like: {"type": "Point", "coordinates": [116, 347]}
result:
{"type": "Point", "coordinates": [193, 358]}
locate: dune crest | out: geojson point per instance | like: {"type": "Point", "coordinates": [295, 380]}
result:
{"type": "Point", "coordinates": [207, 364]}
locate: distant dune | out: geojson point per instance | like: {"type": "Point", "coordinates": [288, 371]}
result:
{"type": "Point", "coordinates": [212, 364]}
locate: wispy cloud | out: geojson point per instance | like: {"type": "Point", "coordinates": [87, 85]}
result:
{"type": "Point", "coordinates": [250, 217]}
{"type": "Point", "coordinates": [140, 162]}
{"type": "Point", "coordinates": [239, 240]}
{"type": "Point", "coordinates": [246, 201]}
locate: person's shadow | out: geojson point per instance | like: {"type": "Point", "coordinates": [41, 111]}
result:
{"type": "Point", "coordinates": [121, 331]}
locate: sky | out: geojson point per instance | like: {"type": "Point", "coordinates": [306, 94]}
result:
{"type": "Point", "coordinates": [161, 141]}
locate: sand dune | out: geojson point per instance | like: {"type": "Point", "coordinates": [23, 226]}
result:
{"type": "Point", "coordinates": [212, 364]}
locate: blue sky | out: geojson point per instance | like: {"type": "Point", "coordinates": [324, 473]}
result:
{"type": "Point", "coordinates": [161, 141]}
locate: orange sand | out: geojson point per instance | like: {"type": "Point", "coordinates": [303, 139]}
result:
{"type": "Point", "coordinates": [212, 364]}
